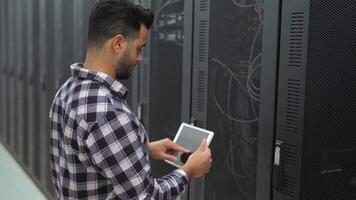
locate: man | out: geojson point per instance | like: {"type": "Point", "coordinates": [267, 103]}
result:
{"type": "Point", "coordinates": [99, 150]}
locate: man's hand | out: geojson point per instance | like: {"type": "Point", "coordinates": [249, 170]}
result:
{"type": "Point", "coordinates": [199, 163]}
{"type": "Point", "coordinates": [165, 149]}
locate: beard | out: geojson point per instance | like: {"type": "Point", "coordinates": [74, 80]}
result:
{"type": "Point", "coordinates": [125, 67]}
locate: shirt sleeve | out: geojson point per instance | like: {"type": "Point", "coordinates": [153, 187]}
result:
{"type": "Point", "coordinates": [117, 151]}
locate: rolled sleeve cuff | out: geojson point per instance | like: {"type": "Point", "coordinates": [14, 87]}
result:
{"type": "Point", "coordinates": [183, 175]}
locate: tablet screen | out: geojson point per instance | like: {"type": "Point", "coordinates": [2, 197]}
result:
{"type": "Point", "coordinates": [191, 138]}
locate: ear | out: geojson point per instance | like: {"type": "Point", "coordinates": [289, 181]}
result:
{"type": "Point", "coordinates": [118, 43]}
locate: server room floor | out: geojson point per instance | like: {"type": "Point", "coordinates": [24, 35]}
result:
{"type": "Point", "coordinates": [14, 182]}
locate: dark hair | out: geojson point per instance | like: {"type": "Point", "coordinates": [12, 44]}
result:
{"type": "Point", "coordinates": [110, 17]}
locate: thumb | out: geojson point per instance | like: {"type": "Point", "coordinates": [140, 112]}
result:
{"type": "Point", "coordinates": [203, 145]}
{"type": "Point", "coordinates": [169, 157]}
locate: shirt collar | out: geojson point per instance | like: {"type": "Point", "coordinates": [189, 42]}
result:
{"type": "Point", "coordinates": [118, 88]}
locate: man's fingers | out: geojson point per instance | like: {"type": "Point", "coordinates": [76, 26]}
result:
{"type": "Point", "coordinates": [178, 147]}
{"type": "Point", "coordinates": [203, 145]}
{"type": "Point", "coordinates": [169, 157]}
{"type": "Point", "coordinates": [172, 152]}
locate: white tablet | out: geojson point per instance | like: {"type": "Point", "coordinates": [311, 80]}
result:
{"type": "Point", "coordinates": [190, 137]}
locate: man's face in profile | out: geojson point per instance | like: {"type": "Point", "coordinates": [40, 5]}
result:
{"type": "Point", "coordinates": [131, 55]}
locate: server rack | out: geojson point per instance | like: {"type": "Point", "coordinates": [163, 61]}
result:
{"type": "Point", "coordinates": [2, 15]}
{"type": "Point", "coordinates": [58, 44]}
{"type": "Point", "coordinates": [11, 73]}
{"type": "Point", "coordinates": [43, 90]}
{"type": "Point", "coordinates": [315, 144]}
{"type": "Point", "coordinates": [81, 11]}
{"type": "Point", "coordinates": [20, 82]}
{"type": "Point", "coordinates": [15, 69]}
{"type": "Point", "coordinates": [67, 40]}
{"type": "Point", "coordinates": [30, 86]}
{"type": "Point", "coordinates": [226, 92]}
{"type": "Point", "coordinates": [6, 76]}
{"type": "Point", "coordinates": [23, 79]}
{"type": "Point", "coordinates": [187, 61]}
{"type": "Point", "coordinates": [3, 63]}
{"type": "Point", "coordinates": [38, 92]}
{"type": "Point", "coordinates": [79, 30]}
{"type": "Point", "coordinates": [270, 49]}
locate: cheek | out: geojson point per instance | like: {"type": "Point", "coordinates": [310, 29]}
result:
{"type": "Point", "coordinates": [127, 56]}
{"type": "Point", "coordinates": [137, 55]}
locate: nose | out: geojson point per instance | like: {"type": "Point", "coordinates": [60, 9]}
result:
{"type": "Point", "coordinates": [139, 58]}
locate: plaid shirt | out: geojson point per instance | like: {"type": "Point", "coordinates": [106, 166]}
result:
{"type": "Point", "coordinates": [99, 149]}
